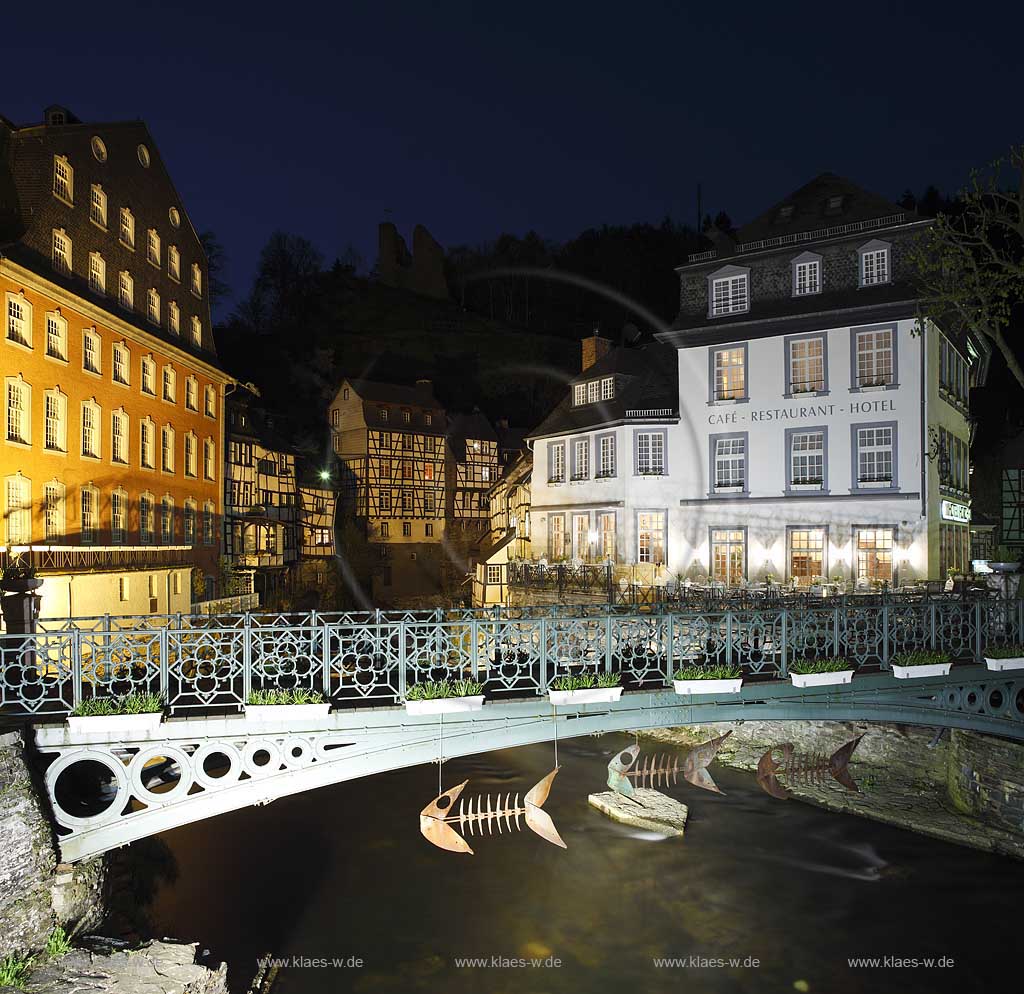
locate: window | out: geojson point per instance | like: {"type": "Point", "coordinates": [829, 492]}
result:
{"type": "Point", "coordinates": [650, 536]}
{"type": "Point", "coordinates": [118, 516]}
{"type": "Point", "coordinates": [428, 530]}
{"type": "Point", "coordinates": [954, 547]}
{"type": "Point", "coordinates": [807, 553]}
{"type": "Point", "coordinates": [385, 530]}
{"type": "Point", "coordinates": [148, 373]}
{"type": "Point", "coordinates": [189, 522]}
{"type": "Point", "coordinates": [91, 346]}
{"type": "Point", "coordinates": [192, 393]}
{"type": "Point", "coordinates": [197, 331]}
{"type": "Point", "coordinates": [19, 411]}
{"type": "Point", "coordinates": [406, 502]}
{"type": "Point", "coordinates": [146, 519]}
{"type": "Point", "coordinates": [55, 416]}
{"type": "Point", "coordinates": [143, 154]}
{"type": "Point", "coordinates": [493, 574]}
{"type": "Point", "coordinates": [556, 462]}
{"type": "Point", "coordinates": [126, 228]}
{"type": "Point", "coordinates": [90, 516]}
{"type": "Point", "coordinates": [874, 548]}
{"type": "Point", "coordinates": [593, 391]}
{"type": "Point", "coordinates": [97, 274]}
{"type": "Point", "coordinates": [607, 388]}
{"type": "Point", "coordinates": [56, 336]}
{"type": "Point", "coordinates": [428, 419]}
{"type": "Point", "coordinates": [19, 320]}
{"type": "Point", "coordinates": [90, 430]}
{"type": "Point", "coordinates": [191, 455]}
{"type": "Point", "coordinates": [954, 373]}
{"type": "Point", "coordinates": [606, 535]}
{"type": "Point", "coordinates": [151, 585]}
{"type": "Point", "coordinates": [581, 459]}
{"type": "Point", "coordinates": [406, 529]}
{"type": "Point", "coordinates": [874, 264]}
{"type": "Point", "coordinates": [807, 459]}
{"type": "Point", "coordinates": [806, 369]}
{"type": "Point", "coordinates": [606, 456]}
{"type": "Point", "coordinates": [153, 248]}
{"type": "Point", "coordinates": [63, 179]}
{"type": "Point", "coordinates": [729, 373]}
{"type": "Point", "coordinates": [98, 206]}
{"type": "Point", "coordinates": [61, 251]}
{"type": "Point", "coordinates": [428, 502]}
{"type": "Point", "coordinates": [99, 149]}
{"type": "Point", "coordinates": [728, 555]}
{"type": "Point", "coordinates": [209, 454]}
{"type": "Point", "coordinates": [579, 394]}
{"type": "Point", "coordinates": [729, 295]}
{"type": "Point", "coordinates": [210, 406]}
{"type": "Point", "coordinates": [125, 290]}
{"type": "Point", "coordinates": [167, 520]}
{"type": "Point", "coordinates": [174, 263]}
{"type": "Point", "coordinates": [53, 510]}
{"type": "Point", "coordinates": [581, 537]}
{"type": "Point", "coordinates": [556, 536]}
{"type": "Point", "coordinates": [119, 437]}
{"type": "Point", "coordinates": [874, 448]}
{"type": "Point", "coordinates": [170, 384]}
{"type": "Point", "coordinates": [874, 358]}
{"type": "Point", "coordinates": [208, 523]}
{"type": "Point", "coordinates": [382, 413]}
{"type": "Point", "coordinates": [729, 462]}
{"type": "Point", "coordinates": [806, 277]}
{"type": "Point", "coordinates": [953, 461]}
{"type": "Point", "coordinates": [123, 588]}
{"type": "Point", "coordinates": [650, 453]}
{"type": "Point", "coordinates": [121, 364]}
{"type": "Point", "coordinates": [147, 435]}
{"type": "Point", "coordinates": [18, 513]}
{"type": "Point", "coordinates": [197, 279]}
{"type": "Point", "coordinates": [406, 416]}
{"type": "Point", "coordinates": [173, 318]}
{"type": "Point", "coordinates": [167, 449]}
{"type": "Point", "coordinates": [153, 306]}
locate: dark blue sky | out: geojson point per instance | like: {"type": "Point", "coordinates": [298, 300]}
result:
{"type": "Point", "coordinates": [477, 119]}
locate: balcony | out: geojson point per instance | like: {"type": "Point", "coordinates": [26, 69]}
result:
{"type": "Point", "coordinates": [260, 560]}
{"type": "Point", "coordinates": [63, 558]}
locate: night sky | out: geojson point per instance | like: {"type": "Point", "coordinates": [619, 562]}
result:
{"type": "Point", "coordinates": [323, 119]}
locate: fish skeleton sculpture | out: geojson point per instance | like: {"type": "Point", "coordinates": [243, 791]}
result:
{"type": "Point", "coordinates": [436, 819]}
{"type": "Point", "coordinates": [655, 771]}
{"type": "Point", "coordinates": [801, 768]}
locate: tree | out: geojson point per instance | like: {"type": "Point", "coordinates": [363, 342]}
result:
{"type": "Point", "coordinates": [970, 264]}
{"type": "Point", "coordinates": [216, 263]}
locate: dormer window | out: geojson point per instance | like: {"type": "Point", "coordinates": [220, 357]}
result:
{"type": "Point", "coordinates": [806, 274]}
{"type": "Point", "coordinates": [874, 263]}
{"type": "Point", "coordinates": [382, 413]}
{"type": "Point", "coordinates": [834, 204]}
{"type": "Point", "coordinates": [785, 213]}
{"type": "Point", "coordinates": [728, 291]}
{"type": "Point", "coordinates": [63, 179]}
{"type": "Point", "coordinates": [607, 388]}
{"type": "Point", "coordinates": [579, 394]}
{"type": "Point", "coordinates": [593, 391]}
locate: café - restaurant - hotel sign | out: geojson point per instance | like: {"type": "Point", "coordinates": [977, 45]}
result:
{"type": "Point", "coordinates": [951, 511]}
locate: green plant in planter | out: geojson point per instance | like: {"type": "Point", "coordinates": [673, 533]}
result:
{"type": "Point", "coordinates": [133, 703]}
{"type": "Point", "coordinates": [920, 657]}
{"type": "Point", "coordinates": [584, 681]}
{"type": "Point", "coordinates": [1012, 651]}
{"type": "Point", "coordinates": [284, 695]}
{"type": "Point", "coordinates": [434, 690]}
{"type": "Point", "coordinates": [713, 672]}
{"type": "Point", "coordinates": [834, 664]}
{"type": "Point", "coordinates": [1004, 554]}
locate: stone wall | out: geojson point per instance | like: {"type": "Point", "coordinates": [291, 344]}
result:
{"type": "Point", "coordinates": [986, 779]}
{"type": "Point", "coordinates": [37, 892]}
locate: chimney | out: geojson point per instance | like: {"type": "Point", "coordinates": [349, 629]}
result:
{"type": "Point", "coordinates": [593, 349]}
{"type": "Point", "coordinates": [425, 387]}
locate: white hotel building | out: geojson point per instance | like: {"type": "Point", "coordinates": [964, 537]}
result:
{"type": "Point", "coordinates": [792, 421]}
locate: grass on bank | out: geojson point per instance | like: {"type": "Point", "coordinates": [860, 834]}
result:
{"type": "Point", "coordinates": [434, 690]}
{"type": "Point", "coordinates": [719, 671]}
{"type": "Point", "coordinates": [834, 664]}
{"type": "Point", "coordinates": [133, 703]}
{"type": "Point", "coordinates": [584, 681]}
{"type": "Point", "coordinates": [284, 695]}
{"type": "Point", "coordinates": [14, 970]}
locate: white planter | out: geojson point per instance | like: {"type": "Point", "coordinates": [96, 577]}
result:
{"type": "Point", "coordinates": [444, 705]}
{"type": "Point", "coordinates": [590, 695]}
{"type": "Point", "coordinates": [821, 679]}
{"type": "Point", "coordinates": [929, 669]}
{"type": "Point", "coordinates": [1003, 567]}
{"type": "Point", "coordinates": [1009, 663]}
{"type": "Point", "coordinates": [708, 686]}
{"type": "Point", "coordinates": [261, 713]}
{"type": "Point", "coordinates": [116, 723]}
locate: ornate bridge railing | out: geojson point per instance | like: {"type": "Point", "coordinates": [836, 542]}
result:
{"type": "Point", "coordinates": [203, 663]}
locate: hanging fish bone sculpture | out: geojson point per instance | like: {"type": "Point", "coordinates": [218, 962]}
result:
{"type": "Point", "coordinates": [625, 774]}
{"type": "Point", "coordinates": [804, 768]}
{"type": "Point", "coordinates": [436, 819]}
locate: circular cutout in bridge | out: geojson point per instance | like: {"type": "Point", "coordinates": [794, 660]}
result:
{"type": "Point", "coordinates": [86, 789]}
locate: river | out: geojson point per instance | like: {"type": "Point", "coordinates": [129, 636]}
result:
{"type": "Point", "coordinates": [342, 874]}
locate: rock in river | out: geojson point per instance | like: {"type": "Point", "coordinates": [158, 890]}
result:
{"type": "Point", "coordinates": [659, 813]}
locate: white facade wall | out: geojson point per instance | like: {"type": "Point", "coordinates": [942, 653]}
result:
{"type": "Point", "coordinates": [84, 595]}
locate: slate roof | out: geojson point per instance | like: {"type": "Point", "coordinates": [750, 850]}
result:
{"type": "Point", "coordinates": [396, 393]}
{"type": "Point", "coordinates": [646, 378]}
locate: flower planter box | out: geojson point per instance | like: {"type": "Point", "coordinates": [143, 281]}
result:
{"type": "Point", "coordinates": [928, 669]}
{"type": "Point", "coordinates": [116, 723]}
{"type": "Point", "coordinates": [260, 713]}
{"type": "Point", "coordinates": [1008, 663]}
{"type": "Point", "coordinates": [445, 705]}
{"type": "Point", "coordinates": [708, 686]}
{"type": "Point", "coordinates": [821, 679]}
{"type": "Point", "coordinates": [1003, 567]}
{"type": "Point", "coordinates": [589, 695]}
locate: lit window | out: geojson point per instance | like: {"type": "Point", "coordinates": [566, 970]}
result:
{"type": "Point", "coordinates": [56, 336]}
{"type": "Point", "coordinates": [650, 527]}
{"type": "Point", "coordinates": [593, 391]}
{"type": "Point", "coordinates": [874, 548]}
{"type": "Point", "coordinates": [126, 228]}
{"type": "Point", "coordinates": [428, 418]}
{"type": "Point", "coordinates": [170, 385]}
{"type": "Point", "coordinates": [97, 274]}
{"type": "Point", "coordinates": [19, 411]}
{"type": "Point", "coordinates": [406, 529]}
{"type": "Point", "coordinates": [197, 279]}
{"type": "Point", "coordinates": [806, 278]}
{"type": "Point", "coordinates": [197, 331]}
{"type": "Point", "coordinates": [91, 346]}
{"type": "Point", "coordinates": [493, 574]}
{"type": "Point", "coordinates": [730, 462]}
{"type": "Point", "coordinates": [148, 372]}
{"type": "Point", "coordinates": [18, 512]}
{"type": "Point", "coordinates": [147, 433]}
{"type": "Point", "coordinates": [874, 266]}
{"type": "Point", "coordinates": [191, 455]}
{"type": "Point", "coordinates": [119, 437]}
{"type": "Point", "coordinates": [875, 366]}
{"type": "Point", "coordinates": [189, 523]}
{"type": "Point", "coordinates": [806, 365]}
{"type": "Point", "coordinates": [118, 518]}
{"type": "Point", "coordinates": [63, 179]}
{"type": "Point", "coordinates": [89, 521]}
{"type": "Point", "coordinates": [90, 430]}
{"type": "Point", "coordinates": [650, 453]}
{"type": "Point", "coordinates": [153, 306]}
{"type": "Point", "coordinates": [126, 290]}
{"type": "Point", "coordinates": [174, 263]}
{"type": "Point", "coordinates": [556, 462]}
{"type": "Point", "coordinates": [382, 413]}
{"type": "Point", "coordinates": [99, 149]}
{"type": "Point", "coordinates": [607, 456]}
{"type": "Point", "coordinates": [146, 519]}
{"type": "Point", "coordinates": [875, 456]}
{"type": "Point", "coordinates": [807, 458]}
{"type": "Point", "coordinates": [581, 459]}
{"type": "Point", "coordinates": [167, 520]}
{"type": "Point", "coordinates": [209, 464]}
{"type": "Point", "coordinates": [167, 449]}
{"type": "Point", "coordinates": [173, 318]}
{"type": "Point", "coordinates": [556, 536]}
{"type": "Point", "coordinates": [208, 512]}
{"type": "Point", "coordinates": [728, 556]}
{"type": "Point", "coordinates": [98, 206]}
{"type": "Point", "coordinates": [192, 393]}
{"type": "Point", "coordinates": [61, 251]}
{"type": "Point", "coordinates": [607, 388]}
{"type": "Point", "coordinates": [53, 510]}
{"type": "Point", "coordinates": [153, 247]}
{"type": "Point", "coordinates": [55, 417]}
{"type": "Point", "coordinates": [807, 553]}
{"type": "Point", "coordinates": [143, 154]}
{"type": "Point", "coordinates": [729, 295]}
{"type": "Point", "coordinates": [210, 408]}
{"type": "Point", "coordinates": [19, 320]}
{"type": "Point", "coordinates": [579, 394]}
{"type": "Point", "coordinates": [730, 374]}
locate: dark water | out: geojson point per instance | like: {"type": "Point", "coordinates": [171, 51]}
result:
{"type": "Point", "coordinates": [343, 872]}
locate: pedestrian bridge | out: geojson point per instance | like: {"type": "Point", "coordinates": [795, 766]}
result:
{"type": "Point", "coordinates": [208, 756]}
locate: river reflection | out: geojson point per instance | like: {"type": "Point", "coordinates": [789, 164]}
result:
{"type": "Point", "coordinates": [343, 872]}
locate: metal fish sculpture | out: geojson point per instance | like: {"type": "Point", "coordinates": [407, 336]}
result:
{"type": "Point", "coordinates": [625, 775]}
{"type": "Point", "coordinates": [804, 768]}
{"type": "Point", "coordinates": [436, 818]}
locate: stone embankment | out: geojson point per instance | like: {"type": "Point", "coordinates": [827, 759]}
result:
{"type": "Point", "coordinates": [956, 786]}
